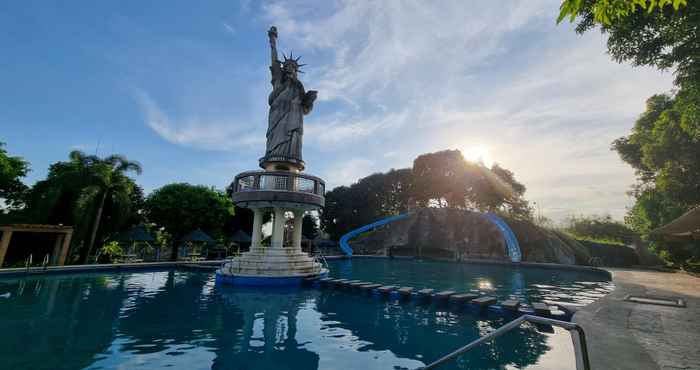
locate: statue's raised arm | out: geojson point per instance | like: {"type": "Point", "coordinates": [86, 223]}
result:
{"type": "Point", "coordinates": [275, 67]}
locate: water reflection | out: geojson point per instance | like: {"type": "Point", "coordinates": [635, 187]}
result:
{"type": "Point", "coordinates": [183, 320]}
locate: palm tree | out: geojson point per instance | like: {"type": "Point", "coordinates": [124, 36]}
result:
{"type": "Point", "coordinates": [105, 178]}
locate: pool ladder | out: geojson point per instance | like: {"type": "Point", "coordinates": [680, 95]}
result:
{"type": "Point", "coordinates": [321, 260]}
{"type": "Point", "coordinates": [577, 336]}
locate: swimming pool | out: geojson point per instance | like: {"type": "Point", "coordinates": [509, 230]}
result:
{"type": "Point", "coordinates": [178, 319]}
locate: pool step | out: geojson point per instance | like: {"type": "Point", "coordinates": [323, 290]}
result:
{"type": "Point", "coordinates": [445, 294]}
{"type": "Point", "coordinates": [463, 297]}
{"type": "Point", "coordinates": [511, 304]}
{"type": "Point", "coordinates": [357, 284]}
{"type": "Point", "coordinates": [348, 283]}
{"type": "Point", "coordinates": [370, 286]}
{"type": "Point", "coordinates": [386, 289]}
{"type": "Point", "coordinates": [541, 309]}
{"type": "Point", "coordinates": [484, 301]}
{"type": "Point", "coordinates": [451, 296]}
{"type": "Point", "coordinates": [339, 282]}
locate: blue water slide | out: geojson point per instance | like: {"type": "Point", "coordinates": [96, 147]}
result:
{"type": "Point", "coordinates": [512, 246]}
{"type": "Point", "coordinates": [345, 238]}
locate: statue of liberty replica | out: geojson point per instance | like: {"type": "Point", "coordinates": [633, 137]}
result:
{"type": "Point", "coordinates": [281, 189]}
{"type": "Point", "coordinates": [288, 105]}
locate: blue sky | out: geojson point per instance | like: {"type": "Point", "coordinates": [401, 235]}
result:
{"type": "Point", "coordinates": [182, 87]}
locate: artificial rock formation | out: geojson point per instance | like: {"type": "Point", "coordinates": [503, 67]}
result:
{"type": "Point", "coordinates": [459, 235]}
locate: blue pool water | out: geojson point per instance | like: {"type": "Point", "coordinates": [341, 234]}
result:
{"type": "Point", "coordinates": [183, 320]}
{"type": "Point", "coordinates": [528, 284]}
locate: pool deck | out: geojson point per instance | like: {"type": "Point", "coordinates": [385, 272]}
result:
{"type": "Point", "coordinates": [627, 335]}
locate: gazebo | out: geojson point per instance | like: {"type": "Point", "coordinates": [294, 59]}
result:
{"type": "Point", "coordinates": [194, 239]}
{"type": "Point", "coordinates": [137, 234]}
{"type": "Point", "coordinates": [61, 246]}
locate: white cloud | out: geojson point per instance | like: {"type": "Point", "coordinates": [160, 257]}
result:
{"type": "Point", "coordinates": [195, 132]}
{"type": "Point", "coordinates": [348, 171]}
{"type": "Point", "coordinates": [229, 28]}
{"type": "Point", "coordinates": [417, 76]}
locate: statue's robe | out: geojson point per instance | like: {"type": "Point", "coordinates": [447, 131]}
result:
{"type": "Point", "coordinates": [286, 118]}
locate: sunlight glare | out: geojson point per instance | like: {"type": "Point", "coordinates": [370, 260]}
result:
{"type": "Point", "coordinates": [477, 153]}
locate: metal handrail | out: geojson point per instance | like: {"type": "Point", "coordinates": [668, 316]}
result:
{"type": "Point", "coordinates": [321, 260]}
{"type": "Point", "coordinates": [28, 263]}
{"type": "Point", "coordinates": [579, 340]}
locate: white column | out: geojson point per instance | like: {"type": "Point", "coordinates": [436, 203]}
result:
{"type": "Point", "coordinates": [278, 229]}
{"type": "Point", "coordinates": [298, 217]}
{"type": "Point", "coordinates": [257, 228]}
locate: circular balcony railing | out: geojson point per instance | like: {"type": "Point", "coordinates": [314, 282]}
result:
{"type": "Point", "coordinates": [278, 186]}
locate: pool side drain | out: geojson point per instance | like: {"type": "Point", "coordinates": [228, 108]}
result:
{"type": "Point", "coordinates": [659, 301]}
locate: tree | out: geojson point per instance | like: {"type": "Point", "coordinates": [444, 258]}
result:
{"type": "Point", "coordinates": [105, 179]}
{"type": "Point", "coordinates": [309, 226]}
{"type": "Point", "coordinates": [370, 198]}
{"type": "Point", "coordinates": [446, 179]}
{"type": "Point", "coordinates": [441, 179]}
{"type": "Point", "coordinates": [660, 33]}
{"type": "Point", "coordinates": [12, 169]}
{"type": "Point", "coordinates": [181, 208]}
{"type": "Point", "coordinates": [664, 149]}
{"type": "Point", "coordinates": [84, 192]}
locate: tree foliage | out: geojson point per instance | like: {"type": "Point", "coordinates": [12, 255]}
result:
{"type": "Point", "coordinates": [104, 179]}
{"type": "Point", "coordinates": [664, 149]}
{"type": "Point", "coordinates": [599, 229]}
{"type": "Point", "coordinates": [607, 12]}
{"type": "Point", "coordinates": [446, 179]}
{"type": "Point", "coordinates": [181, 208]}
{"type": "Point", "coordinates": [12, 169]}
{"type": "Point", "coordinates": [309, 226]}
{"type": "Point", "coordinates": [92, 194]}
{"type": "Point", "coordinates": [664, 145]}
{"type": "Point", "coordinates": [659, 33]}
{"type": "Point", "coordinates": [372, 197]}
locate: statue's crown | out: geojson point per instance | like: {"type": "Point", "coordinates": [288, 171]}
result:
{"type": "Point", "coordinates": [292, 61]}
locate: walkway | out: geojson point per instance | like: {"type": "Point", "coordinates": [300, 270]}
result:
{"type": "Point", "coordinates": [626, 335]}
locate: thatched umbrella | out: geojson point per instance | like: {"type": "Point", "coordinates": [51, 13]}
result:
{"type": "Point", "coordinates": [136, 234]}
{"type": "Point", "coordinates": [240, 237]}
{"type": "Point", "coordinates": [198, 236]}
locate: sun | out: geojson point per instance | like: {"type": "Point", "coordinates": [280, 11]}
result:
{"type": "Point", "coordinates": [477, 153]}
